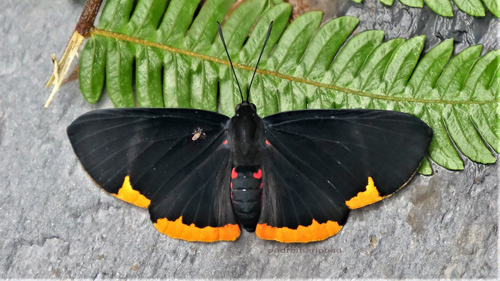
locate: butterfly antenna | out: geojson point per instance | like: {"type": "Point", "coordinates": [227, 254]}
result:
{"type": "Point", "coordinates": [260, 56]}
{"type": "Point", "coordinates": [232, 67]}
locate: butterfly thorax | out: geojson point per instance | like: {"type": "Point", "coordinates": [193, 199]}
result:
{"type": "Point", "coordinates": [246, 133]}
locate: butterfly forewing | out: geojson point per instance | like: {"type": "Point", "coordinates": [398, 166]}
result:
{"type": "Point", "coordinates": [174, 161]}
{"type": "Point", "coordinates": [318, 164]}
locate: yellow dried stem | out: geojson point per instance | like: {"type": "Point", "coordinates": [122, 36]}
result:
{"type": "Point", "coordinates": [61, 67]}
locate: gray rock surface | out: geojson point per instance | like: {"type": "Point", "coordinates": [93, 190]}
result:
{"type": "Point", "coordinates": [55, 223]}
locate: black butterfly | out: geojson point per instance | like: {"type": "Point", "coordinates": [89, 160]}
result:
{"type": "Point", "coordinates": [291, 177]}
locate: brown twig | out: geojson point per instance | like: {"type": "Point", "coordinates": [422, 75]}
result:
{"type": "Point", "coordinates": [82, 29]}
{"type": "Point", "coordinates": [87, 18]}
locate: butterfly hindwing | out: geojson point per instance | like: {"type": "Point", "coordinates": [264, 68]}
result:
{"type": "Point", "coordinates": [200, 196]}
{"type": "Point", "coordinates": [319, 164]}
{"type": "Point", "coordinates": [296, 208]}
{"type": "Point", "coordinates": [173, 161]}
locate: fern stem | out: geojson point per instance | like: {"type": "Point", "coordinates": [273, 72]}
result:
{"type": "Point", "coordinates": [122, 37]}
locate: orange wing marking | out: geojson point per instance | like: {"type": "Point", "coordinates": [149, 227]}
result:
{"type": "Point", "coordinates": [303, 234]}
{"type": "Point", "coordinates": [177, 229]}
{"type": "Point", "coordinates": [367, 197]}
{"type": "Point", "coordinates": [132, 196]}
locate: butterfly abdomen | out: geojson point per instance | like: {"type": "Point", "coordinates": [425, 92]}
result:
{"type": "Point", "coordinates": [246, 185]}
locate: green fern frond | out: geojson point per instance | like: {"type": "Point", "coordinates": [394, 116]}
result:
{"type": "Point", "coordinates": [443, 7]}
{"type": "Point", "coordinates": [179, 62]}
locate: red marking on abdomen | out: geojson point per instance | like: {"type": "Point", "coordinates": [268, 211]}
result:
{"type": "Point", "coordinates": [258, 175]}
{"type": "Point", "coordinates": [268, 143]}
{"type": "Point", "coordinates": [234, 174]}
{"type": "Point", "coordinates": [225, 142]}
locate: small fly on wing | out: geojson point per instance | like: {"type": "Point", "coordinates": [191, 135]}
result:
{"type": "Point", "coordinates": [198, 133]}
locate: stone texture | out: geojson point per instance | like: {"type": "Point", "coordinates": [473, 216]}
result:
{"type": "Point", "coordinates": [55, 223]}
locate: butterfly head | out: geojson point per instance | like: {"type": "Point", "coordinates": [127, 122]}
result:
{"type": "Point", "coordinates": [246, 108]}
